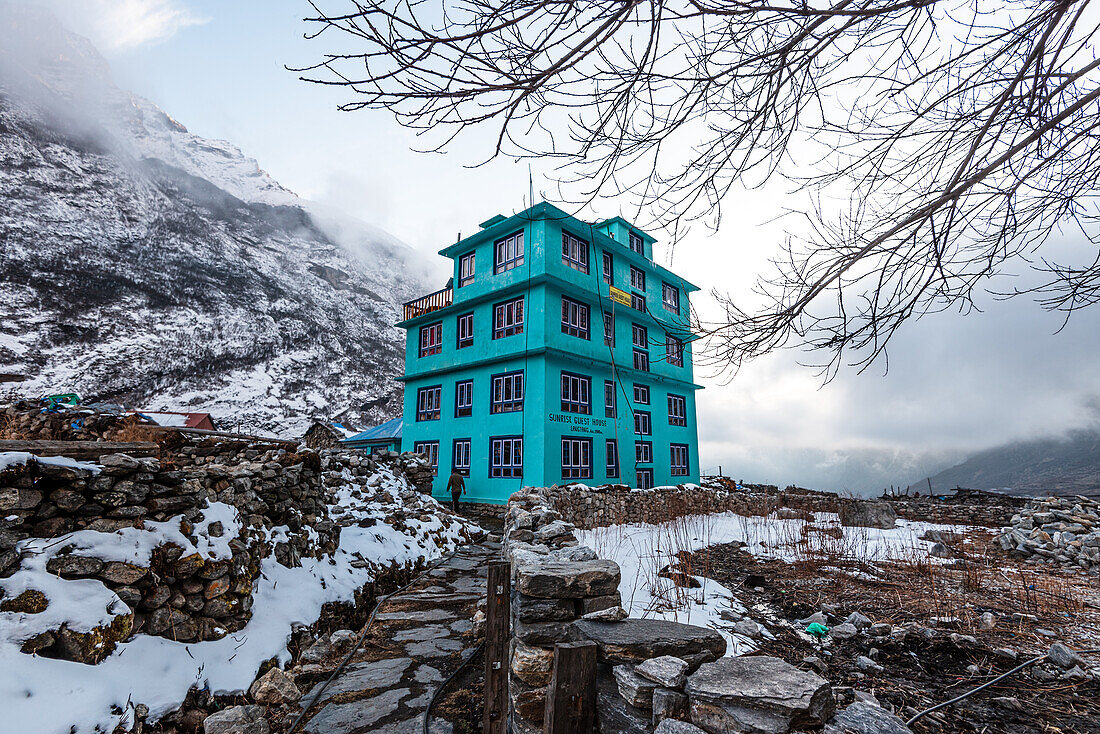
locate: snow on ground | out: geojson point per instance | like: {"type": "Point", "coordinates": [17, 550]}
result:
{"type": "Point", "coordinates": [17, 458]}
{"type": "Point", "coordinates": [45, 695]}
{"type": "Point", "coordinates": [641, 550]}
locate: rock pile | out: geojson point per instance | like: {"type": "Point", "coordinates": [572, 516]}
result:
{"type": "Point", "coordinates": [416, 467]}
{"type": "Point", "coordinates": [1061, 530]}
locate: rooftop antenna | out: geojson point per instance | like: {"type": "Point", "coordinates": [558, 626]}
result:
{"type": "Point", "coordinates": [531, 186]}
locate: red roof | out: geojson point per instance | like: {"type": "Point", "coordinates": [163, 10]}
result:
{"type": "Point", "coordinates": [189, 420]}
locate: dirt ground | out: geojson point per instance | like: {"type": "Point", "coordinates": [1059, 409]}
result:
{"type": "Point", "coordinates": [925, 669]}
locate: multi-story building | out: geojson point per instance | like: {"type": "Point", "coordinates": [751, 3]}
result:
{"type": "Point", "coordinates": [560, 353]}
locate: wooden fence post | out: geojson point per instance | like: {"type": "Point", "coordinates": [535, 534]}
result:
{"type": "Point", "coordinates": [497, 624]}
{"type": "Point", "coordinates": [571, 696]}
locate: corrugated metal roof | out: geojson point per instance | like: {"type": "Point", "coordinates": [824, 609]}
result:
{"type": "Point", "coordinates": [389, 430]}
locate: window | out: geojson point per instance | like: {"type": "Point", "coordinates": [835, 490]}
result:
{"type": "Point", "coordinates": [637, 244]}
{"type": "Point", "coordinates": [677, 410]}
{"type": "Point", "coordinates": [678, 459]}
{"type": "Point", "coordinates": [608, 269]}
{"type": "Point", "coordinates": [643, 452]}
{"type": "Point", "coordinates": [460, 456]}
{"type": "Point", "coordinates": [465, 269]}
{"type": "Point", "coordinates": [674, 351]}
{"type": "Point", "coordinates": [637, 302]}
{"type": "Point", "coordinates": [670, 297]}
{"type": "Point", "coordinates": [508, 318]}
{"type": "Point", "coordinates": [640, 338]}
{"type": "Point", "coordinates": [431, 339]}
{"type": "Point", "coordinates": [465, 331]}
{"type": "Point", "coordinates": [612, 459]}
{"type": "Point", "coordinates": [645, 478]}
{"type": "Point", "coordinates": [641, 423]}
{"type": "Point", "coordinates": [431, 450]}
{"type": "Point", "coordinates": [574, 252]}
{"type": "Point", "coordinates": [641, 394]}
{"type": "Point", "coordinates": [507, 394]}
{"type": "Point", "coordinates": [609, 393]}
{"type": "Point", "coordinates": [608, 329]}
{"type": "Point", "coordinates": [637, 278]}
{"type": "Point", "coordinates": [427, 403]}
{"type": "Point", "coordinates": [464, 398]}
{"type": "Point", "coordinates": [508, 253]}
{"type": "Point", "coordinates": [576, 393]}
{"type": "Point", "coordinates": [574, 318]}
{"type": "Point", "coordinates": [506, 456]}
{"type": "Point", "coordinates": [576, 458]}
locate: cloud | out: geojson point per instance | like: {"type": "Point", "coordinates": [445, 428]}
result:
{"type": "Point", "coordinates": [115, 26]}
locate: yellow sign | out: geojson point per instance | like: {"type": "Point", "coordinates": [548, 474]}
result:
{"type": "Point", "coordinates": [619, 296]}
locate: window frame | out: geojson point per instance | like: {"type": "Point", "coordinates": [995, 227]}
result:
{"type": "Point", "coordinates": [581, 329]}
{"type": "Point", "coordinates": [679, 470]}
{"type": "Point", "coordinates": [643, 423]}
{"type": "Point", "coordinates": [608, 264]}
{"type": "Point", "coordinates": [460, 342]}
{"type": "Point", "coordinates": [643, 392]}
{"type": "Point", "coordinates": [514, 404]}
{"type": "Point", "coordinates": [610, 410]}
{"type": "Point", "coordinates": [428, 347]}
{"type": "Point", "coordinates": [433, 449]}
{"type": "Point", "coordinates": [423, 413]}
{"type": "Point", "coordinates": [637, 279]}
{"type": "Point", "coordinates": [572, 466]}
{"type": "Point", "coordinates": [637, 302]}
{"type": "Point", "coordinates": [609, 329]}
{"type": "Point", "coordinates": [666, 288]}
{"type": "Point", "coordinates": [516, 326]}
{"type": "Point", "coordinates": [466, 277]}
{"type": "Point", "coordinates": [510, 469]}
{"type": "Point", "coordinates": [455, 466]}
{"type": "Point", "coordinates": [674, 418]}
{"type": "Point", "coordinates": [467, 406]}
{"type": "Point", "coordinates": [633, 237]}
{"type": "Point", "coordinates": [648, 473]}
{"type": "Point", "coordinates": [506, 263]}
{"type": "Point", "coordinates": [611, 458]}
{"type": "Point", "coordinates": [574, 252]}
{"type": "Point", "coordinates": [643, 452]}
{"type": "Point", "coordinates": [583, 383]}
{"type": "Point", "coordinates": [641, 360]}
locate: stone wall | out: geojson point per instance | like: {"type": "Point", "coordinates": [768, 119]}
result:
{"type": "Point", "coordinates": [591, 507]}
{"type": "Point", "coordinates": [178, 595]}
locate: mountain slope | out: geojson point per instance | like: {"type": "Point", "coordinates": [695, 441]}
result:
{"type": "Point", "coordinates": [142, 264]}
{"type": "Point", "coordinates": [1065, 466]}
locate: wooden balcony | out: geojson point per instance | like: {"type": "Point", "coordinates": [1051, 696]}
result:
{"type": "Point", "coordinates": [427, 304]}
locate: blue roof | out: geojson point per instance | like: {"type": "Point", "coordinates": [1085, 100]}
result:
{"type": "Point", "coordinates": [389, 430]}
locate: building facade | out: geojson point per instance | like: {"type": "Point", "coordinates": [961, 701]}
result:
{"type": "Point", "coordinates": [560, 353]}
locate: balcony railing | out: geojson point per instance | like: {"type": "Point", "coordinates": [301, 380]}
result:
{"type": "Point", "coordinates": [426, 304]}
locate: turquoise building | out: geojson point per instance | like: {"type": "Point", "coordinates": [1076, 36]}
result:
{"type": "Point", "coordinates": [559, 353]}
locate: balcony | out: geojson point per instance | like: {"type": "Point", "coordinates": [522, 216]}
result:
{"type": "Point", "coordinates": [426, 304]}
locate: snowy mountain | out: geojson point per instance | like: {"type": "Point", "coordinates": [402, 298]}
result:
{"type": "Point", "coordinates": [142, 264]}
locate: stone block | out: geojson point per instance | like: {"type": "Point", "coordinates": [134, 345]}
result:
{"type": "Point", "coordinates": [667, 671]}
{"type": "Point", "coordinates": [533, 609]}
{"type": "Point", "coordinates": [866, 718]}
{"type": "Point", "coordinates": [545, 633]}
{"type": "Point", "coordinates": [532, 665]}
{"type": "Point", "coordinates": [668, 704]}
{"type": "Point", "coordinates": [635, 690]}
{"type": "Point", "coordinates": [637, 640]}
{"type": "Point", "coordinates": [568, 580]}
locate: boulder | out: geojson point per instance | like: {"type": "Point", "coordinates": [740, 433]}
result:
{"type": "Point", "coordinates": [532, 665]}
{"type": "Point", "coordinates": [568, 579]}
{"type": "Point", "coordinates": [844, 631]}
{"type": "Point", "coordinates": [237, 720]}
{"type": "Point", "coordinates": [635, 690]}
{"type": "Point", "coordinates": [274, 687]}
{"type": "Point", "coordinates": [1064, 658]}
{"type": "Point", "coordinates": [865, 718]}
{"type": "Point", "coordinates": [758, 694]}
{"type": "Point", "coordinates": [667, 671]}
{"type": "Point", "coordinates": [862, 514]}
{"type": "Point", "coordinates": [637, 640]}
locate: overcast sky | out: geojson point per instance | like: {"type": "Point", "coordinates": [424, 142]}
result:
{"type": "Point", "coordinates": [955, 384]}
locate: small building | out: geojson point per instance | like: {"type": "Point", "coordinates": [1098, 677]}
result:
{"type": "Point", "coordinates": [385, 437]}
{"type": "Point", "coordinates": [327, 434]}
{"type": "Point", "coordinates": [560, 353]}
{"type": "Point", "coordinates": [171, 419]}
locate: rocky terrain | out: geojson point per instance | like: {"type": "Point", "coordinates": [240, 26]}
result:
{"type": "Point", "coordinates": [143, 264]}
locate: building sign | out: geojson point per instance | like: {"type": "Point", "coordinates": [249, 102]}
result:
{"type": "Point", "coordinates": [619, 296]}
{"type": "Point", "coordinates": [578, 423]}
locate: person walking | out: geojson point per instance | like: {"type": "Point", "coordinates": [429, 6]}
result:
{"type": "Point", "coordinates": [457, 485]}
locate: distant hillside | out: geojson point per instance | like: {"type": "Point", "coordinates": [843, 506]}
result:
{"type": "Point", "coordinates": [1066, 466]}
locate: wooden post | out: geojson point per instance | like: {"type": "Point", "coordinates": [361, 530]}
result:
{"type": "Point", "coordinates": [571, 696]}
{"type": "Point", "coordinates": [497, 610]}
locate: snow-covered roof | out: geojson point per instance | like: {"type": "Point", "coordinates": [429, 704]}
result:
{"type": "Point", "coordinates": [389, 430]}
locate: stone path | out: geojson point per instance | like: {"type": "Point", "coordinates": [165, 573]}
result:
{"type": "Point", "coordinates": [419, 637]}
